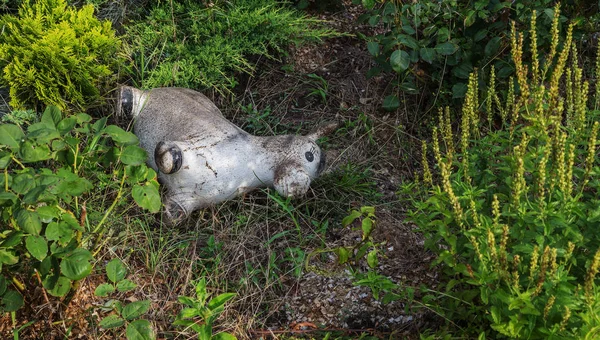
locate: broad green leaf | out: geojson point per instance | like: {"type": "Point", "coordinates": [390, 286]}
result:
{"type": "Point", "coordinates": [136, 173]}
{"type": "Point", "coordinates": [115, 270]}
{"type": "Point", "coordinates": [76, 265]}
{"type": "Point", "coordinates": [5, 159]}
{"type": "Point", "coordinates": [391, 103]}
{"type": "Point", "coordinates": [7, 257]}
{"type": "Point", "coordinates": [135, 309]}
{"type": "Point", "coordinates": [219, 301]}
{"type": "Point", "coordinates": [3, 285]}
{"type": "Point", "coordinates": [33, 195]}
{"type": "Point", "coordinates": [83, 118]}
{"type": "Point", "coordinates": [29, 221]}
{"type": "Point", "coordinates": [446, 48]}
{"type": "Point", "coordinates": [66, 125]}
{"type": "Point", "coordinates": [133, 155]}
{"type": "Point", "coordinates": [140, 330]}
{"type": "Point", "coordinates": [59, 231]}
{"type": "Point", "coordinates": [427, 54]}
{"type": "Point", "coordinates": [186, 300]}
{"type": "Point", "coordinates": [120, 136]}
{"type": "Point", "coordinates": [11, 301]}
{"type": "Point", "coordinates": [367, 227]}
{"type": "Point", "coordinates": [147, 197]}
{"type": "Point", "coordinates": [480, 35]}
{"type": "Point", "coordinates": [492, 47]}
{"type": "Point", "coordinates": [223, 336]}
{"type": "Point", "coordinates": [368, 4]}
{"type": "Point", "coordinates": [343, 254]}
{"type": "Point", "coordinates": [51, 115]}
{"type": "Point", "coordinates": [71, 184]}
{"type": "Point", "coordinates": [6, 197]}
{"type": "Point", "coordinates": [37, 246]}
{"type": "Point", "coordinates": [47, 213]}
{"type": "Point", "coordinates": [11, 136]}
{"type": "Point", "coordinates": [463, 70]}
{"type": "Point", "coordinates": [373, 47]}
{"type": "Point", "coordinates": [372, 259]}
{"type": "Point", "coordinates": [61, 288]}
{"type": "Point", "coordinates": [125, 285]}
{"type": "Point", "coordinates": [351, 218]}
{"type": "Point", "coordinates": [189, 313]}
{"type": "Point", "coordinates": [459, 90]}
{"type": "Point", "coordinates": [12, 239]}
{"type": "Point", "coordinates": [104, 290]}
{"type": "Point", "coordinates": [42, 133]}
{"type": "Point", "coordinates": [470, 18]}
{"type": "Point", "coordinates": [31, 152]}
{"type": "Point", "coordinates": [111, 321]}
{"type": "Point", "coordinates": [399, 60]}
{"type": "Point", "coordinates": [201, 291]}
{"type": "Point", "coordinates": [22, 183]}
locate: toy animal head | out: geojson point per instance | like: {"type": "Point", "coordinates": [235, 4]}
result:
{"type": "Point", "coordinates": [203, 159]}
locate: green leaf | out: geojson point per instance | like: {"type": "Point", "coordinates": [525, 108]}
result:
{"type": "Point", "coordinates": [83, 118]}
{"type": "Point", "coordinates": [219, 301]}
{"type": "Point", "coordinates": [368, 4]}
{"type": "Point", "coordinates": [133, 155]}
{"type": "Point", "coordinates": [351, 218]}
{"type": "Point", "coordinates": [51, 116]}
{"type": "Point", "coordinates": [115, 270]}
{"type": "Point", "coordinates": [140, 330]}
{"type": "Point", "coordinates": [31, 152]}
{"type": "Point", "coordinates": [463, 70]}
{"type": "Point", "coordinates": [446, 48]}
{"type": "Point", "coordinates": [391, 103]}
{"type": "Point", "coordinates": [125, 285]}
{"type": "Point", "coordinates": [5, 159]}
{"type": "Point", "coordinates": [3, 285]}
{"type": "Point", "coordinates": [66, 125]}
{"type": "Point", "coordinates": [37, 246]}
{"type": "Point", "coordinates": [459, 90]}
{"type": "Point", "coordinates": [135, 309]}
{"type": "Point", "coordinates": [76, 265]}
{"type": "Point", "coordinates": [47, 213]}
{"type": "Point", "coordinates": [29, 221]}
{"type": "Point", "coordinates": [399, 60]}
{"type": "Point", "coordinates": [12, 239]}
{"type": "Point", "coordinates": [147, 197]}
{"type": "Point", "coordinates": [7, 257]}
{"type": "Point", "coordinates": [111, 321]}
{"type": "Point", "coordinates": [480, 35]}
{"type": "Point", "coordinates": [11, 301]}
{"type": "Point", "coordinates": [120, 136]}
{"type": "Point", "coordinates": [104, 290]}
{"type": "Point", "coordinates": [71, 184]}
{"type": "Point", "coordinates": [7, 196]}
{"type": "Point", "coordinates": [367, 227]}
{"type": "Point", "coordinates": [372, 259]}
{"type": "Point", "coordinates": [492, 47]}
{"type": "Point", "coordinates": [343, 254]}
{"type": "Point", "coordinates": [201, 291]}
{"type": "Point", "coordinates": [427, 54]}
{"type": "Point", "coordinates": [59, 231]}
{"type": "Point", "coordinates": [470, 18]}
{"type": "Point", "coordinates": [61, 288]}
{"type": "Point", "coordinates": [189, 313]}
{"type": "Point", "coordinates": [373, 47]}
{"type": "Point", "coordinates": [223, 336]}
{"type": "Point", "coordinates": [11, 136]}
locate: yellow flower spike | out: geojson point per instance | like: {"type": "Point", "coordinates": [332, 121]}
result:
{"type": "Point", "coordinates": [496, 210]}
{"type": "Point", "coordinates": [559, 69]}
{"type": "Point", "coordinates": [503, 252]}
{"type": "Point", "coordinates": [510, 99]}
{"type": "Point", "coordinates": [560, 162]}
{"type": "Point", "coordinates": [515, 273]}
{"type": "Point", "coordinates": [545, 261]}
{"type": "Point", "coordinates": [541, 179]}
{"type": "Point", "coordinates": [591, 276]}
{"type": "Point", "coordinates": [565, 320]}
{"type": "Point", "coordinates": [476, 247]}
{"type": "Point", "coordinates": [491, 242]}
{"type": "Point", "coordinates": [535, 64]}
{"type": "Point", "coordinates": [491, 93]}
{"type": "Point", "coordinates": [476, 221]}
{"type": "Point", "coordinates": [569, 173]}
{"type": "Point", "coordinates": [553, 263]}
{"type": "Point", "coordinates": [436, 146]}
{"type": "Point", "coordinates": [548, 306]}
{"type": "Point", "coordinates": [554, 35]}
{"type": "Point", "coordinates": [533, 263]}
{"type": "Point", "coordinates": [448, 136]}
{"type": "Point", "coordinates": [581, 105]}
{"type": "Point", "coordinates": [568, 252]}
{"type": "Point", "coordinates": [427, 178]}
{"type": "Point", "coordinates": [591, 154]}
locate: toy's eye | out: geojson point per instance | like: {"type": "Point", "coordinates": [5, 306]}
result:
{"type": "Point", "coordinates": [309, 156]}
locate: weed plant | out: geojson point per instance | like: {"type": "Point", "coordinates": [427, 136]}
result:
{"type": "Point", "coordinates": [203, 46]}
{"type": "Point", "coordinates": [512, 205]}
{"type": "Point", "coordinates": [52, 222]}
{"type": "Point", "coordinates": [54, 54]}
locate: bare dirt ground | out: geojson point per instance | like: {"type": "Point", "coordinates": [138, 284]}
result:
{"type": "Point", "coordinates": [284, 305]}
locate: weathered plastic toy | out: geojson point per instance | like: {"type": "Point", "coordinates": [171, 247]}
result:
{"type": "Point", "coordinates": [203, 159]}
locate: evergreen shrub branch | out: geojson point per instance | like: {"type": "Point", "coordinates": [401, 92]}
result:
{"type": "Point", "coordinates": [55, 54]}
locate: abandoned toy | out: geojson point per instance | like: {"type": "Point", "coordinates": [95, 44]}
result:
{"type": "Point", "coordinates": [203, 159]}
